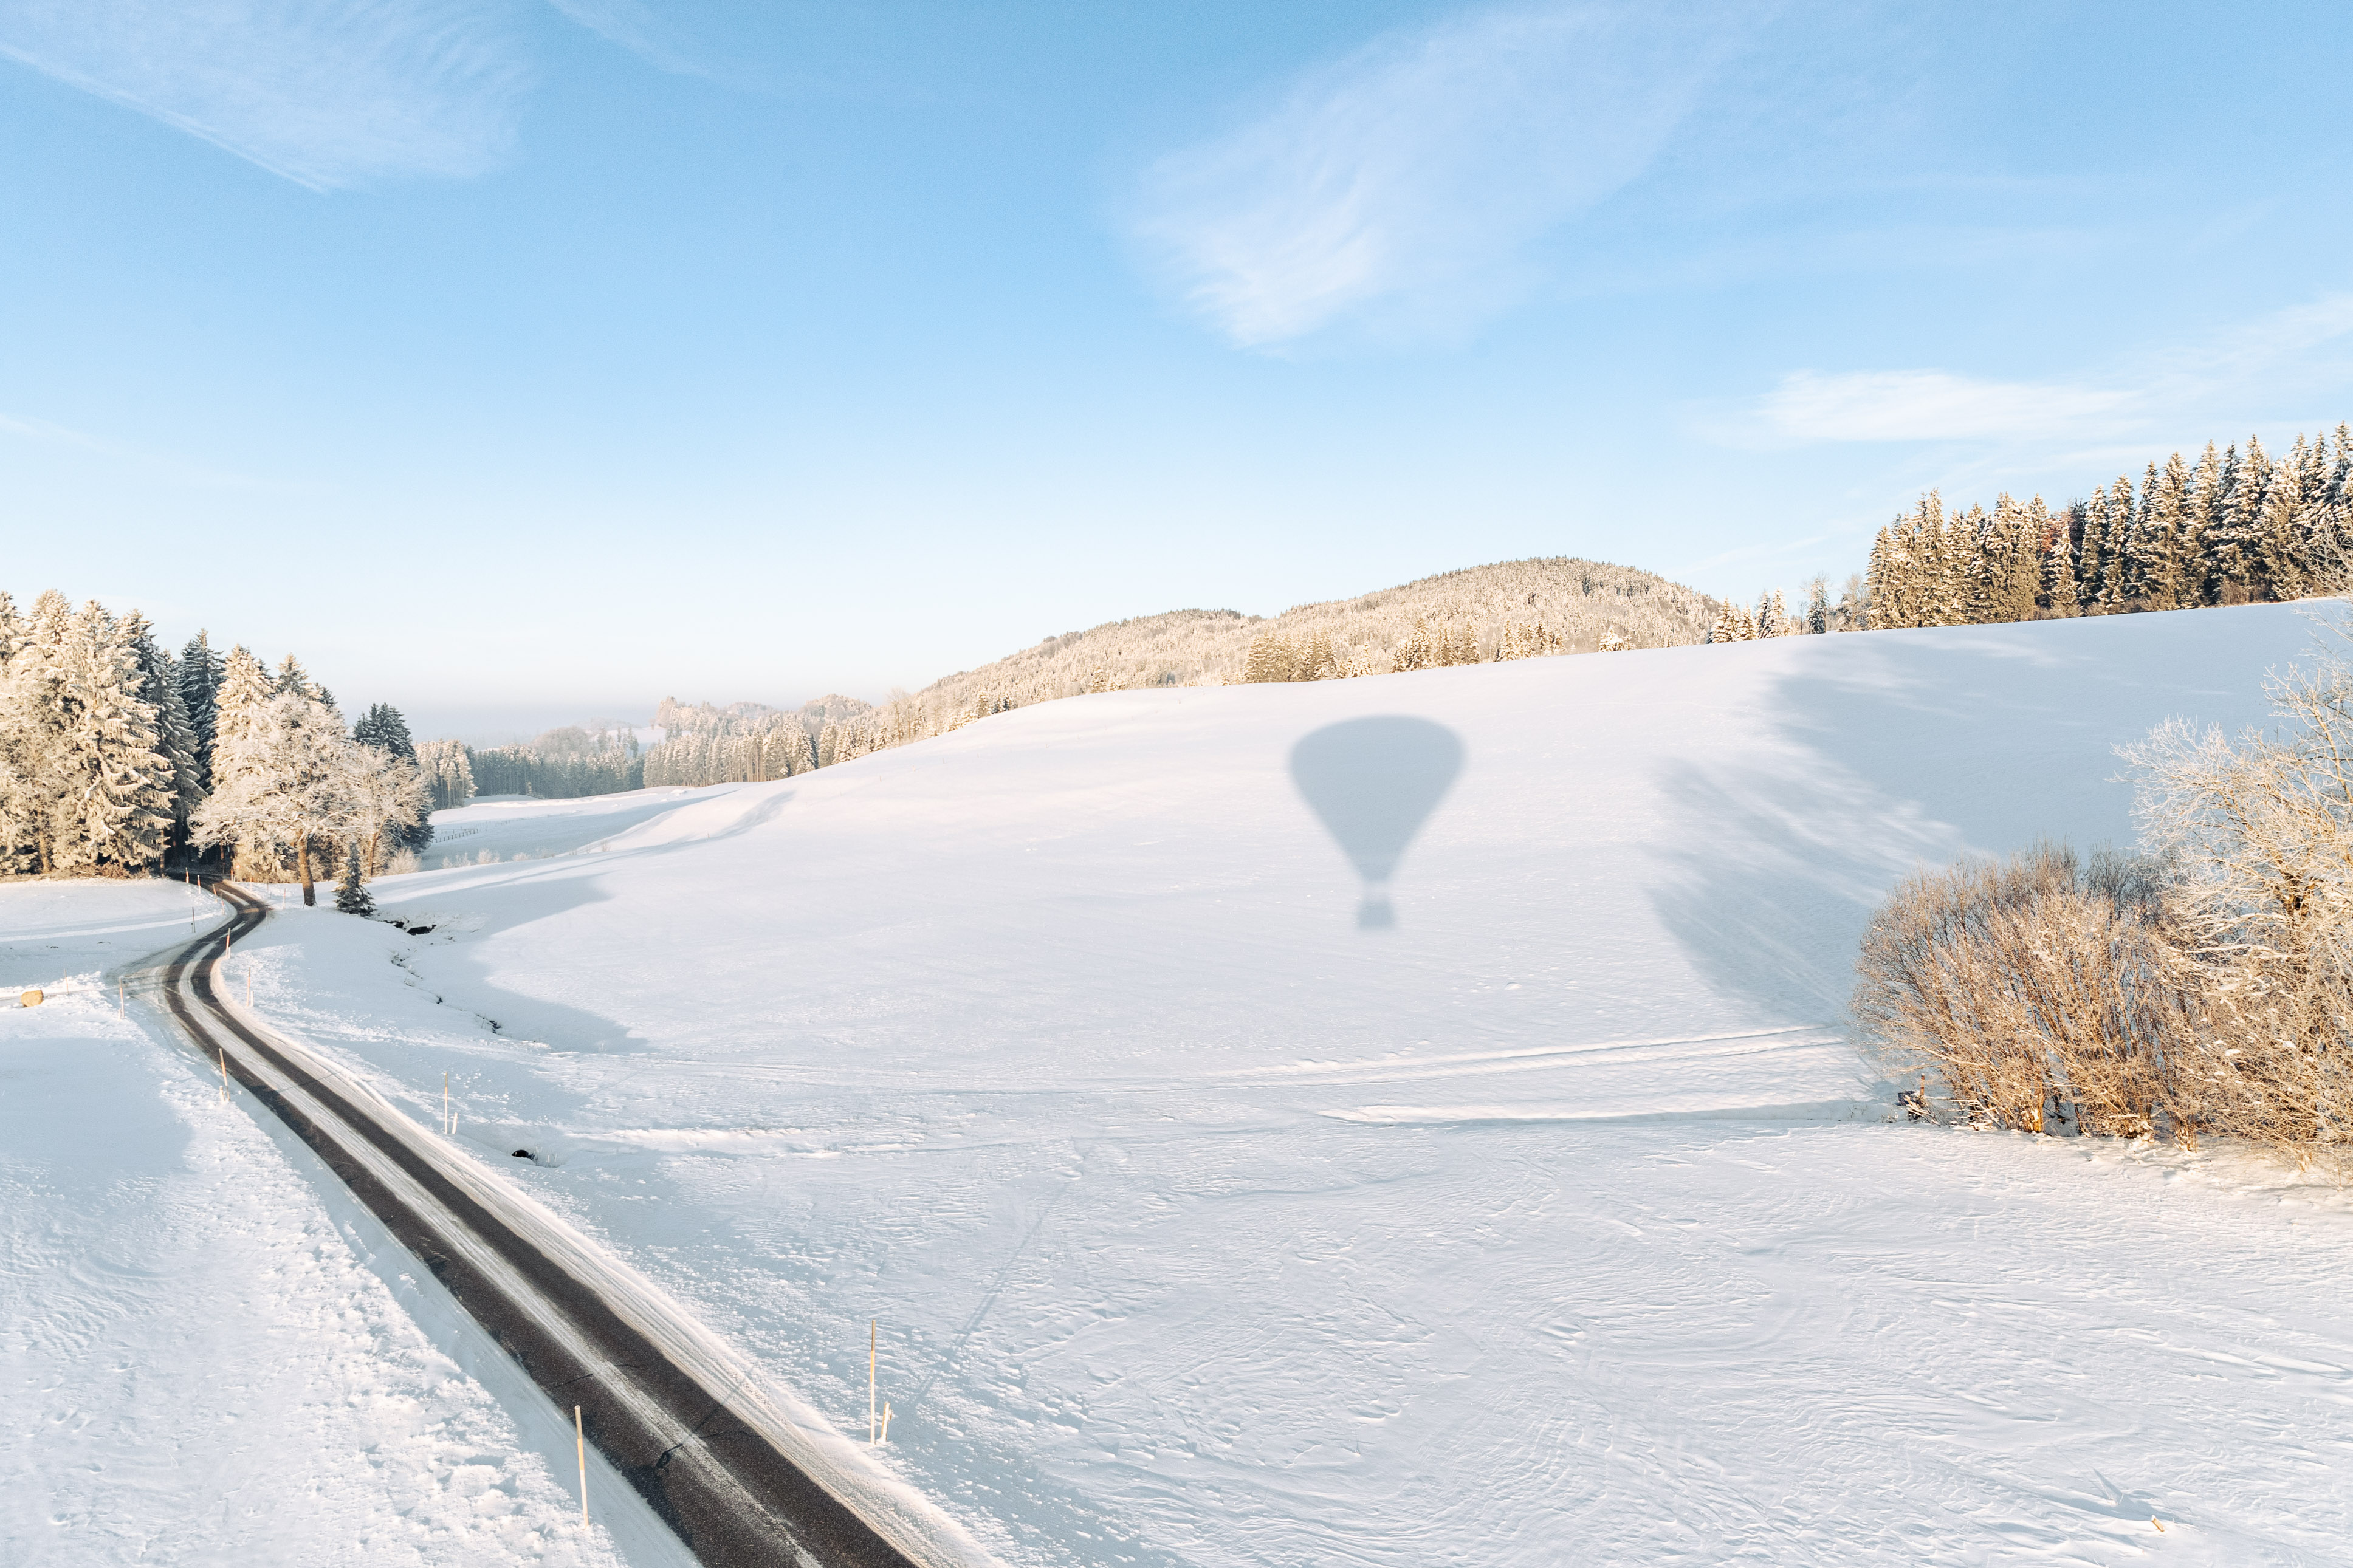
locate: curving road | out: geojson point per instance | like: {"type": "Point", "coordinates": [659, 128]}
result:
{"type": "Point", "coordinates": [734, 1498]}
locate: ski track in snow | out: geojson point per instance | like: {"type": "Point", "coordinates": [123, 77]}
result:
{"type": "Point", "coordinates": [1557, 1223]}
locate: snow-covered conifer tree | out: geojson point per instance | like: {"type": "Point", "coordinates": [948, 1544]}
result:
{"type": "Point", "coordinates": [2150, 573]}
{"type": "Point", "coordinates": [2056, 540]}
{"type": "Point", "coordinates": [112, 808]}
{"type": "Point", "coordinates": [1270, 658]}
{"type": "Point", "coordinates": [36, 726]}
{"type": "Point", "coordinates": [200, 678]}
{"type": "Point", "coordinates": [293, 677]}
{"type": "Point", "coordinates": [159, 688]}
{"type": "Point", "coordinates": [2008, 571]}
{"type": "Point", "coordinates": [382, 727]}
{"type": "Point", "coordinates": [351, 896]}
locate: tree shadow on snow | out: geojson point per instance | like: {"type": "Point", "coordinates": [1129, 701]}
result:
{"type": "Point", "coordinates": [530, 891]}
{"type": "Point", "coordinates": [1893, 751]}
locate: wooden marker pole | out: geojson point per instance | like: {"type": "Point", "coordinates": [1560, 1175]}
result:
{"type": "Point", "coordinates": [448, 1118]}
{"type": "Point", "coordinates": [580, 1438]}
{"type": "Point", "coordinates": [224, 1061]}
{"type": "Point", "coordinates": [872, 1328]}
{"type": "Point", "coordinates": [121, 1010]}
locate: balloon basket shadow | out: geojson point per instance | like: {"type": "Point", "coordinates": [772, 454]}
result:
{"type": "Point", "coordinates": [1375, 913]}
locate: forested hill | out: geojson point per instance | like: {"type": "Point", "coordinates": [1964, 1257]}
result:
{"type": "Point", "coordinates": [1509, 609]}
{"type": "Point", "coordinates": [1513, 609]}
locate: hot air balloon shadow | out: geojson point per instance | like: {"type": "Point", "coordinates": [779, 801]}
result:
{"type": "Point", "coordinates": [1374, 782]}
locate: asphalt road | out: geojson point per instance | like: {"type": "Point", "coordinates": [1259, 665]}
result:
{"type": "Point", "coordinates": [730, 1495]}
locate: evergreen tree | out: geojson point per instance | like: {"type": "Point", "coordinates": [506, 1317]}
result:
{"type": "Point", "coordinates": [35, 728]}
{"type": "Point", "coordinates": [293, 677]}
{"type": "Point", "coordinates": [2274, 553]}
{"type": "Point", "coordinates": [1817, 605]}
{"type": "Point", "coordinates": [382, 727]}
{"type": "Point", "coordinates": [351, 896]}
{"type": "Point", "coordinates": [2058, 538]}
{"type": "Point", "coordinates": [245, 692]}
{"type": "Point", "coordinates": [1879, 571]}
{"type": "Point", "coordinates": [115, 808]}
{"type": "Point", "coordinates": [2180, 553]}
{"type": "Point", "coordinates": [1271, 658]}
{"type": "Point", "coordinates": [200, 678]}
{"type": "Point", "coordinates": [2152, 572]}
{"type": "Point", "coordinates": [2124, 516]}
{"type": "Point", "coordinates": [175, 740]}
{"type": "Point", "coordinates": [2008, 570]}
{"type": "Point", "coordinates": [2204, 491]}
{"type": "Point", "coordinates": [2231, 567]}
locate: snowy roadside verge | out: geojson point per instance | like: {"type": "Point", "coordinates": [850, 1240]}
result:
{"type": "Point", "coordinates": [204, 1363]}
{"type": "Point", "coordinates": [853, 1473]}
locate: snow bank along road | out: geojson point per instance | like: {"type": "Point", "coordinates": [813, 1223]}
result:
{"type": "Point", "coordinates": [1553, 1223]}
{"type": "Point", "coordinates": [210, 1355]}
{"type": "Point", "coordinates": [664, 1421]}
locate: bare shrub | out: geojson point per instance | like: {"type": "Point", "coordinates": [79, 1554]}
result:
{"type": "Point", "coordinates": [2204, 989]}
{"type": "Point", "coordinates": [2039, 990]}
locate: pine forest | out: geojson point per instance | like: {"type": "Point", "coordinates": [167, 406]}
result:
{"type": "Point", "coordinates": [117, 758]}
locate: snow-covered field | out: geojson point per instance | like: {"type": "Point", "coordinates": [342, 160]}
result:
{"type": "Point", "coordinates": [1554, 1222]}
{"type": "Point", "coordinates": [201, 1361]}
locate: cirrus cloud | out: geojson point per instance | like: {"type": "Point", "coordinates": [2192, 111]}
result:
{"type": "Point", "coordinates": [1407, 180]}
{"type": "Point", "coordinates": [324, 92]}
{"type": "Point", "coordinates": [1932, 406]}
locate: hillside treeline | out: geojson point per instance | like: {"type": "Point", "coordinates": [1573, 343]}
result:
{"type": "Point", "coordinates": [117, 757]}
{"type": "Point", "coordinates": [2234, 526]}
{"type": "Point", "coordinates": [751, 743]}
{"type": "Point", "coordinates": [1517, 609]}
{"type": "Point", "coordinates": [559, 765]}
{"type": "Point", "coordinates": [703, 744]}
{"type": "Point", "coordinates": [1513, 609]}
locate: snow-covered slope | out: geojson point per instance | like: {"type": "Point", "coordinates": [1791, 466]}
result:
{"type": "Point", "coordinates": [199, 1365]}
{"type": "Point", "coordinates": [1555, 1221]}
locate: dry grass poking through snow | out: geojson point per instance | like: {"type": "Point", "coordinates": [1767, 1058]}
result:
{"type": "Point", "coordinates": [2203, 990]}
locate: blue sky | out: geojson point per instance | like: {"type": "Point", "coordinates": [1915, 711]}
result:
{"type": "Point", "coordinates": [519, 362]}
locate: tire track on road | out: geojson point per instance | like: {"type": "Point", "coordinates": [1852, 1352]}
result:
{"type": "Point", "coordinates": [732, 1496]}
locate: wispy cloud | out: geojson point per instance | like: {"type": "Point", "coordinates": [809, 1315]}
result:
{"type": "Point", "coordinates": [2282, 353]}
{"type": "Point", "coordinates": [635, 26]}
{"type": "Point", "coordinates": [46, 434]}
{"type": "Point", "coordinates": [115, 456]}
{"type": "Point", "coordinates": [1405, 181]}
{"type": "Point", "coordinates": [325, 93]}
{"type": "Point", "coordinates": [1932, 406]}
